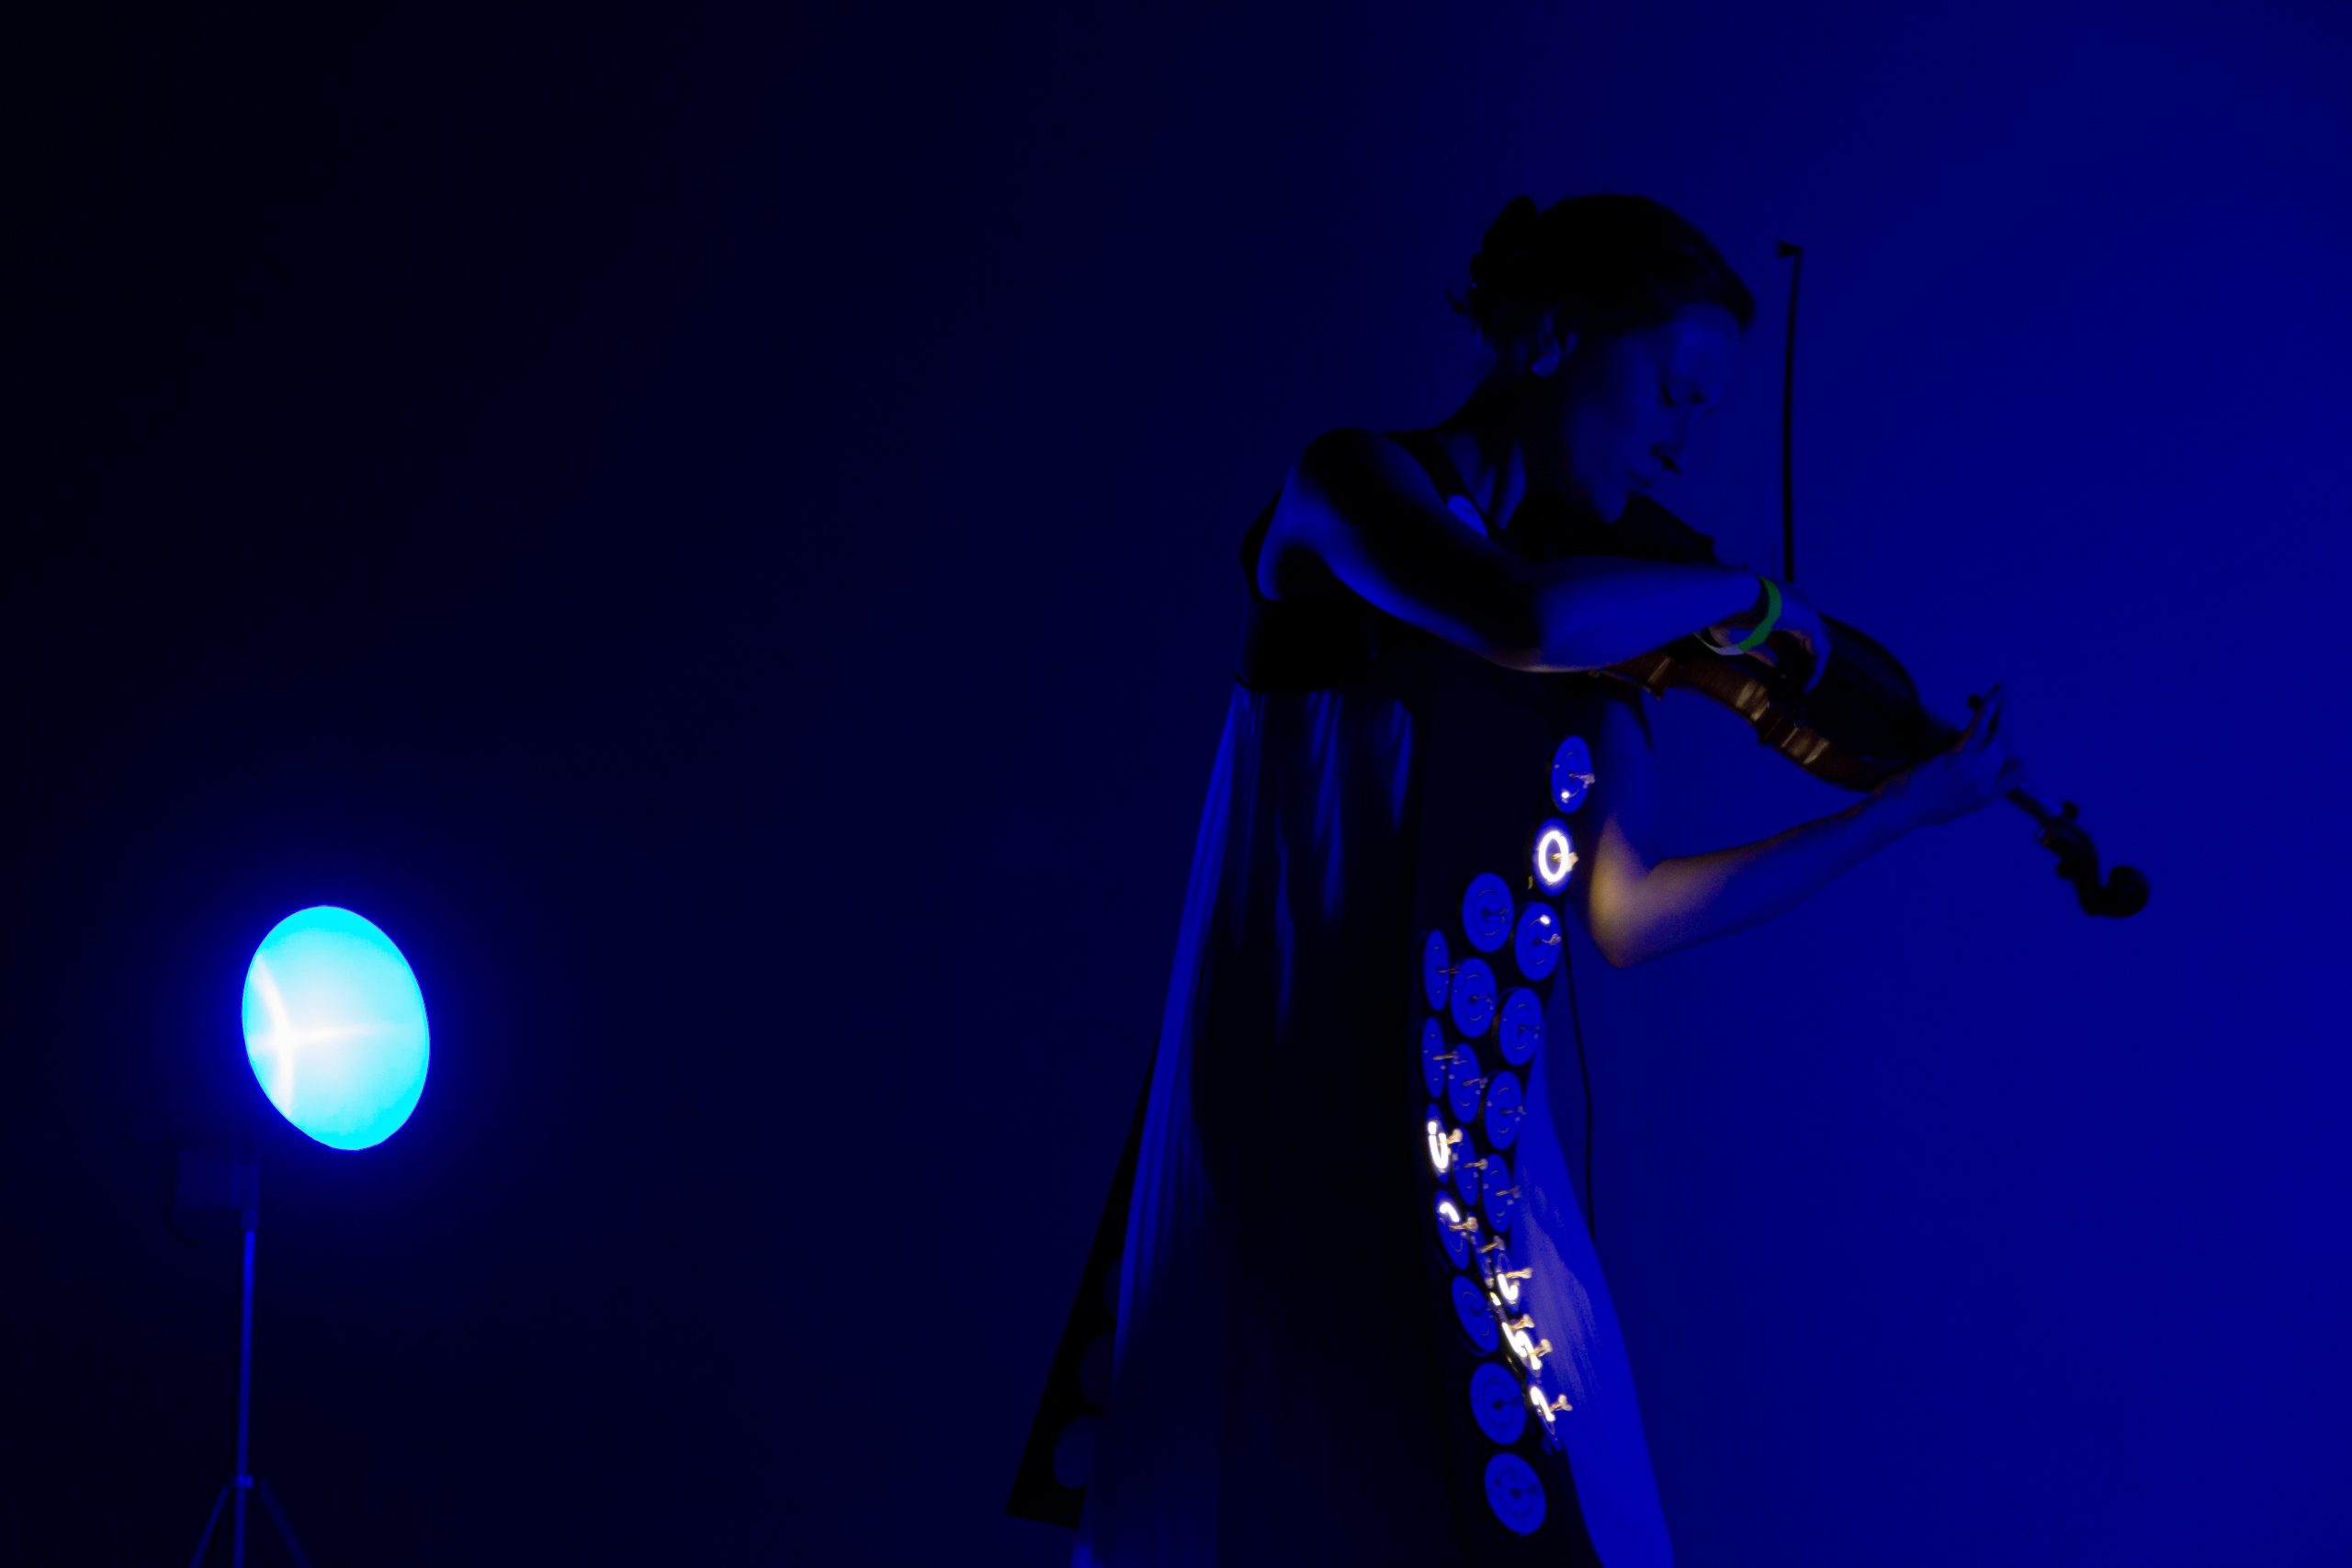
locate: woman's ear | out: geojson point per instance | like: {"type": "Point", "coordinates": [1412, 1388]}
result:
{"type": "Point", "coordinates": [1551, 349]}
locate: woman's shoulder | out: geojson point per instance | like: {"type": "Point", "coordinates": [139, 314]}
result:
{"type": "Point", "coordinates": [1339, 470]}
{"type": "Point", "coordinates": [1349, 456]}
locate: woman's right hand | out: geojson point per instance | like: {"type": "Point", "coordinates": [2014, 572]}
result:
{"type": "Point", "coordinates": [1977, 770]}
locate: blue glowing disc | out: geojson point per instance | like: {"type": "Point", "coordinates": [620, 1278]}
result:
{"type": "Point", "coordinates": [1462, 1082]}
{"type": "Point", "coordinates": [1466, 1178]}
{"type": "Point", "coordinates": [1505, 1106]}
{"type": "Point", "coordinates": [1485, 912]}
{"type": "Point", "coordinates": [1444, 1142]}
{"type": "Point", "coordinates": [1496, 1263]}
{"type": "Point", "coordinates": [1496, 1398]}
{"type": "Point", "coordinates": [1535, 942]}
{"type": "Point", "coordinates": [1479, 1322]}
{"type": "Point", "coordinates": [1474, 997]}
{"type": "Point", "coordinates": [1449, 1233]}
{"type": "Point", "coordinates": [1074, 1451]}
{"type": "Point", "coordinates": [1555, 854]}
{"type": "Point", "coordinates": [1514, 1492]}
{"type": "Point", "coordinates": [1499, 1192]}
{"type": "Point", "coordinates": [1521, 1030]}
{"type": "Point", "coordinates": [1571, 773]}
{"type": "Point", "coordinates": [334, 1027]}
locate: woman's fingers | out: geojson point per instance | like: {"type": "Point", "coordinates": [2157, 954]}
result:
{"type": "Point", "coordinates": [1987, 719]}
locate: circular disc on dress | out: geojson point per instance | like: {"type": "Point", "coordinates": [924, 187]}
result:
{"type": "Point", "coordinates": [1539, 1400]}
{"type": "Point", "coordinates": [1521, 1028]}
{"type": "Point", "coordinates": [1485, 912]}
{"type": "Point", "coordinates": [1479, 1322]}
{"type": "Point", "coordinates": [1514, 1494]}
{"type": "Point", "coordinates": [1473, 996]}
{"type": "Point", "coordinates": [1436, 965]}
{"type": "Point", "coordinates": [1495, 1256]}
{"type": "Point", "coordinates": [1457, 1242]}
{"type": "Point", "coordinates": [1554, 855]}
{"type": "Point", "coordinates": [1462, 1083]}
{"type": "Point", "coordinates": [1571, 773]}
{"type": "Point", "coordinates": [1496, 1398]}
{"type": "Point", "coordinates": [1498, 1192]}
{"type": "Point", "coordinates": [1445, 1144]}
{"type": "Point", "coordinates": [1074, 1451]}
{"type": "Point", "coordinates": [1432, 1058]}
{"type": "Point", "coordinates": [1504, 1108]}
{"type": "Point", "coordinates": [1465, 1179]}
{"type": "Point", "coordinates": [1535, 945]}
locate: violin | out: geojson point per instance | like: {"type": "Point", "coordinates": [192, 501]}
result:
{"type": "Point", "coordinates": [1863, 724]}
{"type": "Point", "coordinates": [1864, 721]}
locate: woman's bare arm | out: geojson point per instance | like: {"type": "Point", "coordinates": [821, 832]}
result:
{"type": "Point", "coordinates": [1638, 909]}
{"type": "Point", "coordinates": [1364, 508]}
{"type": "Point", "coordinates": [1610, 829]}
{"type": "Point", "coordinates": [1684, 901]}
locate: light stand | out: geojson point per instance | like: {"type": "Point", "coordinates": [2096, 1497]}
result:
{"type": "Point", "coordinates": [243, 1479]}
{"type": "Point", "coordinates": [336, 1035]}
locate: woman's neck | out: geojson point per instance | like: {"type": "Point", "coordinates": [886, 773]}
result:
{"type": "Point", "coordinates": [1504, 443]}
{"type": "Point", "coordinates": [1485, 440]}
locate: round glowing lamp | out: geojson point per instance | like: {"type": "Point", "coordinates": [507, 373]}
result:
{"type": "Point", "coordinates": [334, 1027]}
{"type": "Point", "coordinates": [335, 1034]}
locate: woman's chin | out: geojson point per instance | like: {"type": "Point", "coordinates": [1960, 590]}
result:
{"type": "Point", "coordinates": [1602, 503]}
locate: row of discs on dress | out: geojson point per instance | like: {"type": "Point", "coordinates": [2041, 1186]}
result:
{"type": "Point", "coordinates": [1485, 1026]}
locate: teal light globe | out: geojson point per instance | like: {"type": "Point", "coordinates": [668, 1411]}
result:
{"type": "Point", "coordinates": [334, 1027]}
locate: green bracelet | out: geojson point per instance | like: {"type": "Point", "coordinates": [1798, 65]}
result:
{"type": "Point", "coordinates": [1763, 629]}
{"type": "Point", "coordinates": [1772, 618]}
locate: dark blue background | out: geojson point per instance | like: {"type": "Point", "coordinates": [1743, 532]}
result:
{"type": "Point", "coordinates": [715, 526]}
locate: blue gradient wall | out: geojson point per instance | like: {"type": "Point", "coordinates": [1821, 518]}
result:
{"type": "Point", "coordinates": [782, 482]}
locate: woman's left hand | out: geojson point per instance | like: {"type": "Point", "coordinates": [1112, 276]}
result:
{"type": "Point", "coordinates": [1807, 644]}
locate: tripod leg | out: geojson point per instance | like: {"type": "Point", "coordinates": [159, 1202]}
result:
{"type": "Point", "coordinates": [211, 1520]}
{"type": "Point", "coordinates": [244, 1396]}
{"type": "Point", "coordinates": [284, 1530]}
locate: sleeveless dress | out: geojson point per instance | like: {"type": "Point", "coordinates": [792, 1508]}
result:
{"type": "Point", "coordinates": [1270, 1398]}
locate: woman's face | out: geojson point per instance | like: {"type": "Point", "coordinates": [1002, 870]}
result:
{"type": "Point", "coordinates": [1623, 409]}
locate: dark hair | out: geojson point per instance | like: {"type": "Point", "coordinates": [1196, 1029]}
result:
{"type": "Point", "coordinates": [1600, 265]}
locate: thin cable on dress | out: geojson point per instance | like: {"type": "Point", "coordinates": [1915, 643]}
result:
{"type": "Point", "coordinates": [1568, 970]}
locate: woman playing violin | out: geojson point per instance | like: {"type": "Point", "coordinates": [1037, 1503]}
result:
{"type": "Point", "coordinates": [1268, 1403]}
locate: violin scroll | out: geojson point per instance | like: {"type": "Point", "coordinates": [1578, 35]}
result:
{"type": "Point", "coordinates": [2125, 891]}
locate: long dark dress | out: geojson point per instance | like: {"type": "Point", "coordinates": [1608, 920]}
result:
{"type": "Point", "coordinates": [1271, 1395]}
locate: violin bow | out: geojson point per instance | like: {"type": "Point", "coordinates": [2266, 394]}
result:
{"type": "Point", "coordinates": [2125, 890]}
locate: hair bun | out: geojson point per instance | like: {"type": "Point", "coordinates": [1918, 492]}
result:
{"type": "Point", "coordinates": [1514, 225]}
{"type": "Point", "coordinates": [1601, 264]}
{"type": "Point", "coordinates": [1507, 252]}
